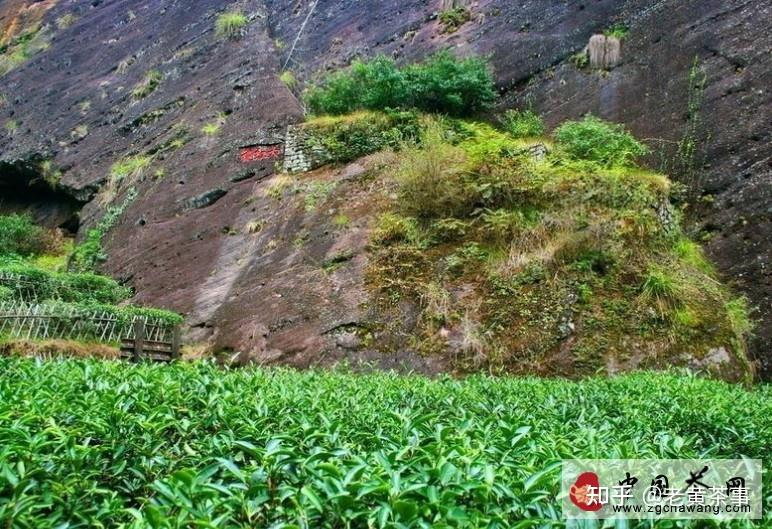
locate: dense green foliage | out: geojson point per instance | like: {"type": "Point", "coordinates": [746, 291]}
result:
{"type": "Point", "coordinates": [441, 84]}
{"type": "Point", "coordinates": [550, 263]}
{"type": "Point", "coordinates": [523, 124]}
{"type": "Point", "coordinates": [19, 235]}
{"type": "Point", "coordinates": [32, 283]}
{"type": "Point", "coordinates": [452, 19]}
{"type": "Point", "coordinates": [94, 444]}
{"type": "Point", "coordinates": [599, 141]}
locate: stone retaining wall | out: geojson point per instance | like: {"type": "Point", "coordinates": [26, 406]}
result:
{"type": "Point", "coordinates": [299, 155]}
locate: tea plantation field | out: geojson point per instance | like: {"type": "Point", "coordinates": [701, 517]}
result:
{"type": "Point", "coordinates": [104, 444]}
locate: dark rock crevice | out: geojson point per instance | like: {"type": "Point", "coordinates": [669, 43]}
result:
{"type": "Point", "coordinates": [25, 188]}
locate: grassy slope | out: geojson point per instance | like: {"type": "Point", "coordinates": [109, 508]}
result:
{"type": "Point", "coordinates": [560, 265]}
{"type": "Point", "coordinates": [103, 443]}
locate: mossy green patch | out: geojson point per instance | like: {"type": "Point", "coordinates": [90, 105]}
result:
{"type": "Point", "coordinates": [561, 264]}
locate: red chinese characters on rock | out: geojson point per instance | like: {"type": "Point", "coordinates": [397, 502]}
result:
{"type": "Point", "coordinates": [260, 152]}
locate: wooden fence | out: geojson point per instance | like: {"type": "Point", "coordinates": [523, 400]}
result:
{"type": "Point", "coordinates": [142, 337]}
{"type": "Point", "coordinates": [139, 347]}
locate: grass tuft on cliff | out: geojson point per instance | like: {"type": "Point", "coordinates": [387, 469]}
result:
{"type": "Point", "coordinates": [231, 25]}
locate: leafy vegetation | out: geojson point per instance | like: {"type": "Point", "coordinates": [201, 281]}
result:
{"type": "Point", "coordinates": [40, 280]}
{"type": "Point", "coordinates": [148, 85]}
{"type": "Point", "coordinates": [685, 160]}
{"type": "Point", "coordinates": [231, 24]}
{"type": "Point", "coordinates": [523, 124]}
{"type": "Point", "coordinates": [11, 126]}
{"type": "Point", "coordinates": [289, 79]}
{"type": "Point", "coordinates": [90, 253]}
{"type": "Point", "coordinates": [593, 139]}
{"type": "Point", "coordinates": [65, 21]}
{"type": "Point", "coordinates": [105, 444]}
{"type": "Point", "coordinates": [553, 264]}
{"type": "Point", "coordinates": [618, 31]}
{"type": "Point", "coordinates": [132, 166]}
{"type": "Point", "coordinates": [453, 19]}
{"type": "Point", "coordinates": [19, 235]}
{"type": "Point", "coordinates": [442, 84]}
{"type": "Point", "coordinates": [211, 129]}
{"type": "Point", "coordinates": [580, 59]}
{"type": "Point", "coordinates": [25, 281]}
{"type": "Point", "coordinates": [21, 48]}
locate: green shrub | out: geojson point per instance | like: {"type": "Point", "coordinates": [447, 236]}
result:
{"type": "Point", "coordinates": [289, 79]}
{"type": "Point", "coordinates": [608, 144]}
{"type": "Point", "coordinates": [376, 84]}
{"type": "Point", "coordinates": [6, 294]}
{"type": "Point", "coordinates": [431, 178]}
{"type": "Point", "coordinates": [447, 85]}
{"type": "Point", "coordinates": [739, 314]}
{"type": "Point", "coordinates": [19, 235]}
{"type": "Point", "coordinates": [231, 24]}
{"type": "Point", "coordinates": [580, 59]}
{"type": "Point", "coordinates": [617, 31]}
{"type": "Point", "coordinates": [442, 84]}
{"type": "Point", "coordinates": [452, 19]}
{"type": "Point", "coordinates": [523, 124]}
{"type": "Point", "coordinates": [502, 225]}
{"type": "Point", "coordinates": [89, 253]}
{"type": "Point", "coordinates": [392, 228]}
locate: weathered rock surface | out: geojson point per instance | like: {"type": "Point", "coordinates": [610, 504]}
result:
{"type": "Point", "coordinates": [257, 293]}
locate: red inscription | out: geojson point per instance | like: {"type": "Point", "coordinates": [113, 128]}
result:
{"type": "Point", "coordinates": [260, 152]}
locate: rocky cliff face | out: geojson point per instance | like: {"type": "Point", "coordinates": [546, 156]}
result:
{"type": "Point", "coordinates": [198, 122]}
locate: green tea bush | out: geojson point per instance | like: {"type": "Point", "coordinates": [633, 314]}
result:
{"type": "Point", "coordinates": [31, 283]}
{"type": "Point", "coordinates": [108, 444]}
{"type": "Point", "coordinates": [441, 84]}
{"type": "Point", "coordinates": [19, 235]}
{"type": "Point", "coordinates": [90, 321]}
{"type": "Point", "coordinates": [523, 124]}
{"type": "Point", "coordinates": [593, 139]}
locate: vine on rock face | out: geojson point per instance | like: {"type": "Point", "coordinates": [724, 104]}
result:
{"type": "Point", "coordinates": [88, 254]}
{"type": "Point", "coordinates": [685, 164]}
